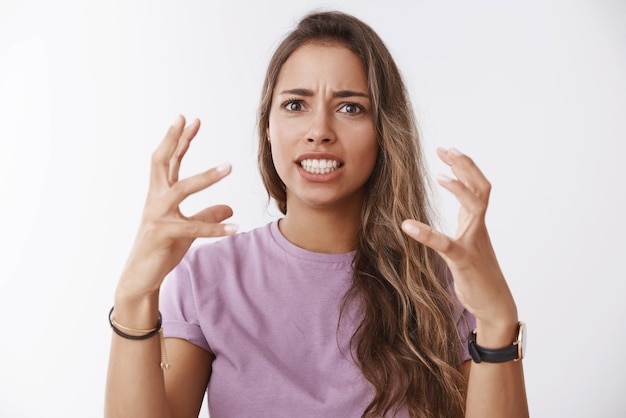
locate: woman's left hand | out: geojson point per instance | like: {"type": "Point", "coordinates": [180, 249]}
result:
{"type": "Point", "coordinates": [478, 279]}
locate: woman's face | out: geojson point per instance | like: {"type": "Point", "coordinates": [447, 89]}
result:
{"type": "Point", "coordinates": [321, 128]}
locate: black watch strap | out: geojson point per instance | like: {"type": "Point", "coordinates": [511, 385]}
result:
{"type": "Point", "coordinates": [488, 355]}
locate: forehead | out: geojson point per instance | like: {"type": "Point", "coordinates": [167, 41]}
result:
{"type": "Point", "coordinates": [322, 64]}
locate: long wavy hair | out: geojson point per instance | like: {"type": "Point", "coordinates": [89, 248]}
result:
{"type": "Point", "coordinates": [407, 344]}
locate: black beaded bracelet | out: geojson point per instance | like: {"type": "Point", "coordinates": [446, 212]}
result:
{"type": "Point", "coordinates": [149, 333]}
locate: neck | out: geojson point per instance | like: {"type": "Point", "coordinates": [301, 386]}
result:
{"type": "Point", "coordinates": [331, 231]}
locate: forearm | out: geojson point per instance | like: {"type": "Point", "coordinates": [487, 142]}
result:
{"type": "Point", "coordinates": [496, 389]}
{"type": "Point", "coordinates": [135, 384]}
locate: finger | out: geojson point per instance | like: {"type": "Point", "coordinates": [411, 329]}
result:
{"type": "Point", "coordinates": [466, 171]}
{"type": "Point", "coordinates": [430, 237]}
{"type": "Point", "coordinates": [188, 134]}
{"type": "Point", "coordinates": [183, 188]}
{"type": "Point", "coordinates": [466, 197]}
{"type": "Point", "coordinates": [197, 229]}
{"type": "Point", "coordinates": [159, 172]}
{"type": "Point", "coordinates": [214, 214]}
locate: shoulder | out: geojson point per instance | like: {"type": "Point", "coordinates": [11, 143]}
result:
{"type": "Point", "coordinates": [230, 260]}
{"type": "Point", "coordinates": [208, 267]}
{"type": "Point", "coordinates": [230, 248]}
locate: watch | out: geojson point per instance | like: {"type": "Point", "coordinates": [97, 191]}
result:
{"type": "Point", "coordinates": [515, 351]}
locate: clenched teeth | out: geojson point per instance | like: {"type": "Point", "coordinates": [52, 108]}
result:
{"type": "Point", "coordinates": [319, 166]}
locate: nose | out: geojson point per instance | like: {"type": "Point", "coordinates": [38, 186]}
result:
{"type": "Point", "coordinates": [321, 127]}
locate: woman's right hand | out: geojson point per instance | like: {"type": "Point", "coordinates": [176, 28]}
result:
{"type": "Point", "coordinates": [165, 234]}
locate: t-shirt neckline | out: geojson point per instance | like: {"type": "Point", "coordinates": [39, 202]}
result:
{"type": "Point", "coordinates": [301, 253]}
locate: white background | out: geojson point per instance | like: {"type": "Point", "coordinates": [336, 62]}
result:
{"type": "Point", "coordinates": [535, 92]}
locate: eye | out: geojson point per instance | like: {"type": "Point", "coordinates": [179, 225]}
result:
{"type": "Point", "coordinates": [352, 108]}
{"type": "Point", "coordinates": [293, 106]}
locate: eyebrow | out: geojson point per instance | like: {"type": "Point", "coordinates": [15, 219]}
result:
{"type": "Point", "coordinates": [340, 93]}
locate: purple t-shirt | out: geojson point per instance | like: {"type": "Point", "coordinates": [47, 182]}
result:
{"type": "Point", "coordinates": [268, 311]}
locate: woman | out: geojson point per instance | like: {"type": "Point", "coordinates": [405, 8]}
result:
{"type": "Point", "coordinates": [346, 305]}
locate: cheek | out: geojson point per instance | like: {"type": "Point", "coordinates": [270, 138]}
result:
{"type": "Point", "coordinates": [276, 132]}
{"type": "Point", "coordinates": [279, 138]}
{"type": "Point", "coordinates": [371, 157]}
{"type": "Point", "coordinates": [368, 155]}
{"type": "Point", "coordinates": [284, 136]}
{"type": "Point", "coordinates": [366, 146]}
{"type": "Point", "coordinates": [284, 129]}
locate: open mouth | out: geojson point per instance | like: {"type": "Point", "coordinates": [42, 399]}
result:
{"type": "Point", "coordinates": [321, 166]}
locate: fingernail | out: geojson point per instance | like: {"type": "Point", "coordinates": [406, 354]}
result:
{"type": "Point", "coordinates": [410, 228]}
{"type": "Point", "coordinates": [222, 168]}
{"type": "Point", "coordinates": [230, 228]}
{"type": "Point", "coordinates": [444, 178]}
{"type": "Point", "coordinates": [176, 120]}
{"type": "Point", "coordinates": [455, 151]}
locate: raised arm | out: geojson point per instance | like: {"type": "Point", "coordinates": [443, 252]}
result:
{"type": "Point", "coordinates": [137, 386]}
{"type": "Point", "coordinates": [494, 389]}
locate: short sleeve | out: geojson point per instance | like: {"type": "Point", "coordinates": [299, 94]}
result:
{"type": "Point", "coordinates": [465, 321]}
{"type": "Point", "coordinates": [178, 308]}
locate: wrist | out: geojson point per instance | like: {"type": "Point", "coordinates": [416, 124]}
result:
{"type": "Point", "coordinates": [137, 284]}
{"type": "Point", "coordinates": [511, 351]}
{"type": "Point", "coordinates": [496, 335]}
{"type": "Point", "coordinates": [135, 308]}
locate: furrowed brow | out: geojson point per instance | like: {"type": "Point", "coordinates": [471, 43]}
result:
{"type": "Point", "coordinates": [339, 93]}
{"type": "Point", "coordinates": [298, 92]}
{"type": "Point", "coordinates": [349, 93]}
